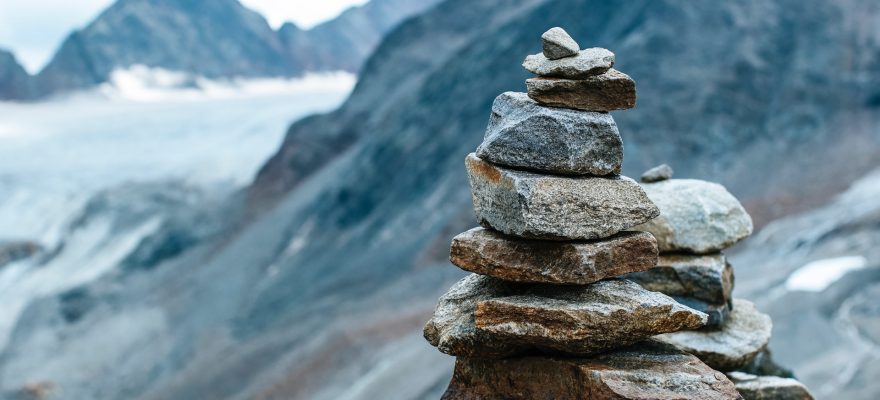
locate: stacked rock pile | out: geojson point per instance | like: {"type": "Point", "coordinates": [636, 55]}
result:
{"type": "Point", "coordinates": [544, 314]}
{"type": "Point", "coordinates": [698, 220]}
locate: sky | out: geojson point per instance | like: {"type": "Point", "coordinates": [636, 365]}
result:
{"type": "Point", "coordinates": [33, 29]}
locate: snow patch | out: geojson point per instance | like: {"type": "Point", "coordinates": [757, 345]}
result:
{"type": "Point", "coordinates": [817, 275]}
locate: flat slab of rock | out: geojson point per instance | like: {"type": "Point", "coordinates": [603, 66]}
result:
{"type": "Point", "coordinates": [695, 216]}
{"type": "Point", "coordinates": [644, 371]}
{"type": "Point", "coordinates": [741, 338]}
{"type": "Point", "coordinates": [530, 205]}
{"type": "Point", "coordinates": [486, 317]}
{"type": "Point", "coordinates": [610, 91]}
{"type": "Point", "coordinates": [659, 173]}
{"type": "Point", "coordinates": [753, 387]}
{"type": "Point", "coordinates": [558, 44]}
{"type": "Point", "coordinates": [704, 277]}
{"type": "Point", "coordinates": [587, 63]}
{"type": "Point", "coordinates": [524, 134]}
{"type": "Point", "coordinates": [491, 253]}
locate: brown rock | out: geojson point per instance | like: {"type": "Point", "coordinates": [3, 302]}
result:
{"type": "Point", "coordinates": [708, 277]}
{"type": "Point", "coordinates": [753, 387]}
{"type": "Point", "coordinates": [488, 252]}
{"type": "Point", "coordinates": [612, 90]}
{"type": "Point", "coordinates": [645, 371]}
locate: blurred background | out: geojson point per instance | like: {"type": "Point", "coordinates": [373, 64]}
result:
{"type": "Point", "coordinates": [214, 199]}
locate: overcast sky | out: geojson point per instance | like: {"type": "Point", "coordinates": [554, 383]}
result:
{"type": "Point", "coordinates": [33, 29]}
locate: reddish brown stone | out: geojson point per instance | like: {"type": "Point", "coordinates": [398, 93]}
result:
{"type": "Point", "coordinates": [612, 90]}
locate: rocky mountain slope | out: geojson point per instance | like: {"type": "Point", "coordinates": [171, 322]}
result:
{"type": "Point", "coordinates": [15, 82]}
{"type": "Point", "coordinates": [318, 289]}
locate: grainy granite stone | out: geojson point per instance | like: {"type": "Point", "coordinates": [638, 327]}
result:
{"type": "Point", "coordinates": [482, 316]}
{"type": "Point", "coordinates": [587, 63]}
{"type": "Point", "coordinates": [558, 44]}
{"type": "Point", "coordinates": [530, 205]}
{"type": "Point", "coordinates": [491, 253]}
{"type": "Point", "coordinates": [524, 134]}
{"type": "Point", "coordinates": [610, 91]}
{"type": "Point", "coordinates": [659, 173]}
{"type": "Point", "coordinates": [704, 277]}
{"type": "Point", "coordinates": [753, 387]}
{"type": "Point", "coordinates": [648, 370]}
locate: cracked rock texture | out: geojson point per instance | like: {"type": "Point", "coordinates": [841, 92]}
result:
{"type": "Point", "coordinates": [610, 91]}
{"type": "Point", "coordinates": [753, 387]}
{"type": "Point", "coordinates": [704, 277]}
{"type": "Point", "coordinates": [558, 44]}
{"type": "Point", "coordinates": [587, 63]}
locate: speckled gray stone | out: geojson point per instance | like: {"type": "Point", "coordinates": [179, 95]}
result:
{"type": "Point", "coordinates": [524, 134]}
{"type": "Point", "coordinates": [705, 277]}
{"type": "Point", "coordinates": [537, 206]}
{"type": "Point", "coordinates": [741, 338]}
{"type": "Point", "coordinates": [659, 173]}
{"type": "Point", "coordinates": [610, 91]}
{"type": "Point", "coordinates": [753, 387]}
{"type": "Point", "coordinates": [587, 63]}
{"type": "Point", "coordinates": [482, 316]}
{"type": "Point", "coordinates": [558, 44]}
{"type": "Point", "coordinates": [695, 216]}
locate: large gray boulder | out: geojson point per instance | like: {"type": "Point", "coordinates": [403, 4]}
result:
{"type": "Point", "coordinates": [487, 252]}
{"type": "Point", "coordinates": [587, 63]}
{"type": "Point", "coordinates": [610, 91]}
{"type": "Point", "coordinates": [524, 134]}
{"type": "Point", "coordinates": [482, 316]}
{"type": "Point", "coordinates": [753, 387]}
{"type": "Point", "coordinates": [695, 216]}
{"type": "Point", "coordinates": [537, 206]}
{"type": "Point", "coordinates": [648, 370]}
{"type": "Point", "coordinates": [741, 338]}
{"type": "Point", "coordinates": [558, 44]}
{"type": "Point", "coordinates": [705, 277]}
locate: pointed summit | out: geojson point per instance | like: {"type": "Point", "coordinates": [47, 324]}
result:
{"type": "Point", "coordinates": [558, 44]}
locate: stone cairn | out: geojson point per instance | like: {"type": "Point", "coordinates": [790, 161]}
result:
{"type": "Point", "coordinates": [544, 314]}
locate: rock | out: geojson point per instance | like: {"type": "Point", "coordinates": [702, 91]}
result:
{"type": "Point", "coordinates": [587, 63]}
{"type": "Point", "coordinates": [558, 44]}
{"type": "Point", "coordinates": [488, 252]}
{"type": "Point", "coordinates": [741, 338]}
{"type": "Point", "coordinates": [703, 277]}
{"type": "Point", "coordinates": [482, 316]}
{"type": "Point", "coordinates": [717, 312]}
{"type": "Point", "coordinates": [695, 216]}
{"type": "Point", "coordinates": [764, 364]}
{"type": "Point", "coordinates": [659, 173]}
{"type": "Point", "coordinates": [753, 387]}
{"type": "Point", "coordinates": [524, 134]}
{"type": "Point", "coordinates": [13, 251]}
{"type": "Point", "coordinates": [529, 205]}
{"type": "Point", "coordinates": [610, 91]}
{"type": "Point", "coordinates": [645, 371]}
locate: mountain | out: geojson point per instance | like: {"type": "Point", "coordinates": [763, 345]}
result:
{"type": "Point", "coordinates": [216, 39]}
{"type": "Point", "coordinates": [15, 82]}
{"type": "Point", "coordinates": [326, 267]}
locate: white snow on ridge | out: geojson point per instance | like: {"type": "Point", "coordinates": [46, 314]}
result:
{"type": "Point", "coordinates": [817, 275]}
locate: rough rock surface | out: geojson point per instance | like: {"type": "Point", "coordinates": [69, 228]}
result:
{"type": "Point", "coordinates": [482, 316]}
{"type": "Point", "coordinates": [659, 173]}
{"type": "Point", "coordinates": [554, 207]}
{"type": "Point", "coordinates": [717, 312]}
{"type": "Point", "coordinates": [587, 63]}
{"type": "Point", "coordinates": [753, 387]}
{"type": "Point", "coordinates": [612, 90]}
{"type": "Point", "coordinates": [695, 216]}
{"type": "Point", "coordinates": [705, 277]}
{"type": "Point", "coordinates": [524, 134]}
{"type": "Point", "coordinates": [491, 253]}
{"type": "Point", "coordinates": [558, 44]}
{"type": "Point", "coordinates": [743, 336]}
{"type": "Point", "coordinates": [645, 371]}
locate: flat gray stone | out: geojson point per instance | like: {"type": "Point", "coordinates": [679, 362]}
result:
{"type": "Point", "coordinates": [491, 253]}
{"type": "Point", "coordinates": [753, 387]}
{"type": "Point", "coordinates": [537, 206]}
{"type": "Point", "coordinates": [659, 173]}
{"type": "Point", "coordinates": [587, 63]}
{"type": "Point", "coordinates": [558, 44]}
{"type": "Point", "coordinates": [695, 216]}
{"type": "Point", "coordinates": [741, 338]}
{"type": "Point", "coordinates": [705, 277]}
{"type": "Point", "coordinates": [482, 316]}
{"type": "Point", "coordinates": [524, 134]}
{"type": "Point", "coordinates": [610, 91]}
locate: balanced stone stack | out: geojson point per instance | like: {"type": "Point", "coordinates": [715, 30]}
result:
{"type": "Point", "coordinates": [544, 314]}
{"type": "Point", "coordinates": [697, 221]}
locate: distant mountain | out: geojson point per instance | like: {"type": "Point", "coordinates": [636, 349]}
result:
{"type": "Point", "coordinates": [15, 82]}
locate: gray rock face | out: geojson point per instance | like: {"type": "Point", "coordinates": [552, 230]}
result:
{"type": "Point", "coordinates": [558, 44]}
{"type": "Point", "coordinates": [648, 370]}
{"type": "Point", "coordinates": [612, 90]}
{"type": "Point", "coordinates": [524, 134]}
{"type": "Point", "coordinates": [695, 216]}
{"type": "Point", "coordinates": [587, 63]}
{"type": "Point", "coordinates": [753, 387]}
{"type": "Point", "coordinates": [482, 316]}
{"type": "Point", "coordinates": [659, 173]}
{"type": "Point", "coordinates": [529, 205]}
{"type": "Point", "coordinates": [488, 252]}
{"type": "Point", "coordinates": [741, 338]}
{"type": "Point", "coordinates": [704, 277]}
{"type": "Point", "coordinates": [717, 312]}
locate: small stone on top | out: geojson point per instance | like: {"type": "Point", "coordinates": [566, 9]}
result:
{"type": "Point", "coordinates": [558, 44]}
